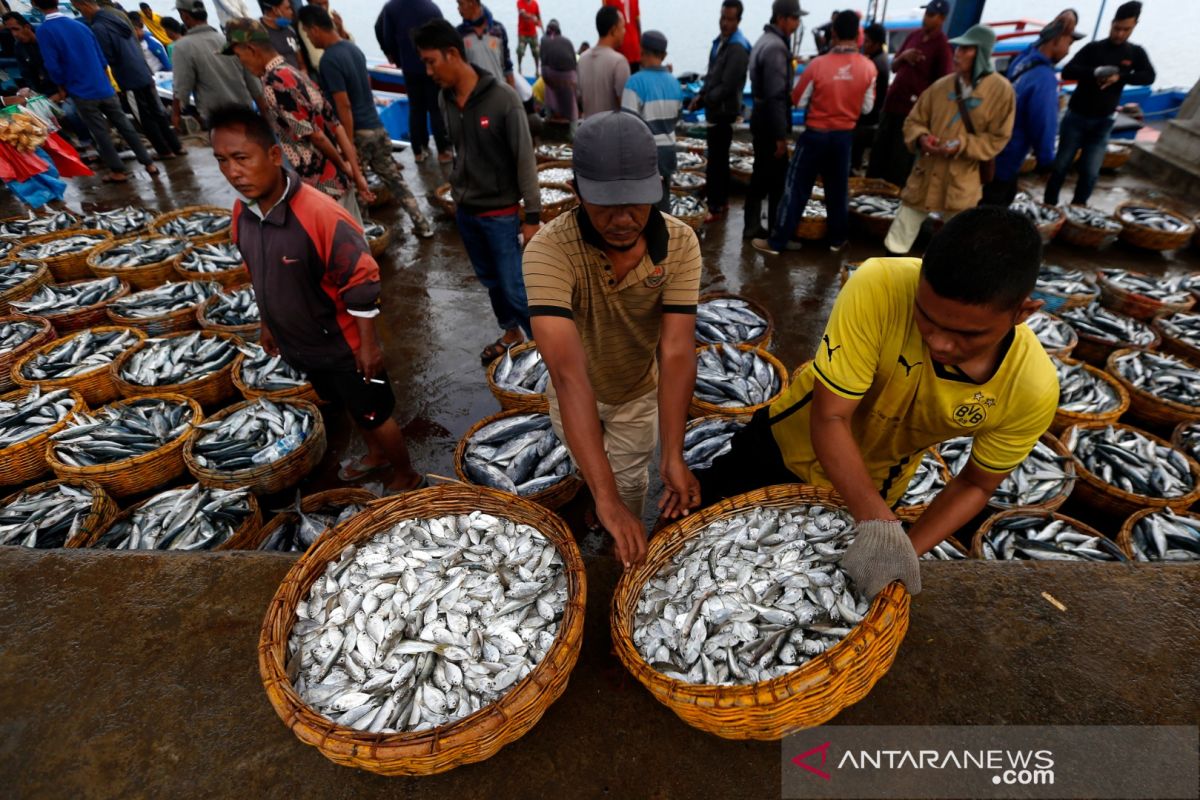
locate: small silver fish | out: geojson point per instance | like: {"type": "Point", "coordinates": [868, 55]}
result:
{"type": "Point", "coordinates": [1127, 459]}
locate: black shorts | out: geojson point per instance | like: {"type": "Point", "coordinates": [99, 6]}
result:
{"type": "Point", "coordinates": [370, 404]}
{"type": "Point", "coordinates": [753, 461]}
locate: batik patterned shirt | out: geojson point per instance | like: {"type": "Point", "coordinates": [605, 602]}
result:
{"type": "Point", "coordinates": [297, 110]}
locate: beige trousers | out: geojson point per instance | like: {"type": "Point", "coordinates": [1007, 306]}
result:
{"type": "Point", "coordinates": [630, 435]}
{"type": "Point", "coordinates": [906, 226]}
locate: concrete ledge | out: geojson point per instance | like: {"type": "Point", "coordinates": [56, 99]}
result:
{"type": "Point", "coordinates": [1182, 177]}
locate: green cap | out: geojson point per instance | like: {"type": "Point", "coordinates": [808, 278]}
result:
{"type": "Point", "coordinates": [244, 30]}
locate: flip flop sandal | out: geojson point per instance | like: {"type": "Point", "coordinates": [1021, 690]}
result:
{"type": "Point", "coordinates": [495, 350]}
{"type": "Point", "coordinates": [424, 484]}
{"type": "Point", "coordinates": [356, 470]}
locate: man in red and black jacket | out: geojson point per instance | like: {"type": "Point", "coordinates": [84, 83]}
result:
{"type": "Point", "coordinates": [316, 285]}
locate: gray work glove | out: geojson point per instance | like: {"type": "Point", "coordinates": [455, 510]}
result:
{"type": "Point", "coordinates": [881, 553]}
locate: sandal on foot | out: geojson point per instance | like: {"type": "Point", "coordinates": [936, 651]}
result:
{"type": "Point", "coordinates": [356, 470]}
{"type": "Point", "coordinates": [422, 484]}
{"type": "Point", "coordinates": [495, 350]}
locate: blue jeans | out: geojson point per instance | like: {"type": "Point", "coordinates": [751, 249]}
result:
{"type": "Point", "coordinates": [495, 251]}
{"type": "Point", "coordinates": [824, 153]}
{"type": "Point", "coordinates": [1075, 132]}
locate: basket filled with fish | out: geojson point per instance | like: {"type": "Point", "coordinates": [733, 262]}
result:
{"type": "Point", "coordinates": [144, 262]}
{"type": "Point", "coordinates": [64, 253]}
{"type": "Point", "coordinates": [814, 223]}
{"type": "Point", "coordinates": [552, 172]}
{"type": "Point", "coordinates": [32, 224]}
{"type": "Point", "coordinates": [189, 518]}
{"type": "Point", "coordinates": [1086, 394]}
{"type": "Point", "coordinates": [741, 166]}
{"type": "Point", "coordinates": [707, 438]}
{"type": "Point", "coordinates": [79, 361]}
{"type": "Point", "coordinates": [55, 514]}
{"type": "Point", "coordinates": [293, 530]}
{"type": "Point", "coordinates": [691, 144]}
{"type": "Point", "coordinates": [1057, 337]}
{"type": "Point", "coordinates": [28, 418]}
{"type": "Point", "coordinates": [234, 311]}
{"type": "Point", "coordinates": [1153, 227]}
{"type": "Point", "coordinates": [1180, 335]}
{"type": "Point", "coordinates": [443, 198]}
{"type": "Point", "coordinates": [1121, 469]}
{"type": "Point", "coordinates": [198, 224]}
{"type": "Point", "coordinates": [19, 335]}
{"type": "Point", "coordinates": [691, 160]}
{"type": "Point", "coordinates": [1047, 219]}
{"type": "Point", "coordinates": [554, 152]}
{"type": "Point", "coordinates": [874, 212]}
{"type": "Point", "coordinates": [519, 379]}
{"type": "Point", "coordinates": [788, 650]}
{"type": "Point", "coordinates": [72, 306]}
{"type": "Point", "coordinates": [947, 550]}
{"type": "Point", "coordinates": [518, 452]}
{"type": "Point", "coordinates": [215, 261]}
{"type": "Point", "coordinates": [121, 222]}
{"type": "Point", "coordinates": [1087, 227]}
{"type": "Point", "coordinates": [19, 280]}
{"type": "Point", "coordinates": [1116, 154]}
{"type": "Point", "coordinates": [382, 192]}
{"type": "Point", "coordinates": [378, 236]}
{"type": "Point", "coordinates": [1043, 481]}
{"type": "Point", "coordinates": [451, 662]}
{"type": "Point", "coordinates": [168, 308]}
{"type": "Point", "coordinates": [256, 373]}
{"type": "Point", "coordinates": [1060, 288]}
{"type": "Point", "coordinates": [1024, 534]}
{"type": "Point", "coordinates": [197, 364]}
{"type": "Point", "coordinates": [556, 198]}
{"type": "Point", "coordinates": [1161, 535]}
{"type": "Point", "coordinates": [688, 181]}
{"type": "Point", "coordinates": [931, 477]}
{"type": "Point", "coordinates": [127, 447]}
{"type": "Point", "coordinates": [1163, 390]}
{"type": "Point", "coordinates": [1143, 296]}
{"type": "Point", "coordinates": [1102, 331]}
{"type": "Point", "coordinates": [688, 208]}
{"type": "Point", "coordinates": [724, 318]}
{"type": "Point", "coordinates": [263, 445]}
{"type": "Point", "coordinates": [735, 380]}
{"type": "Point", "coordinates": [859, 186]}
{"type": "Point", "coordinates": [1186, 437]}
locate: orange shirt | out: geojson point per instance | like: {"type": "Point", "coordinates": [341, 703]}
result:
{"type": "Point", "coordinates": [836, 88]}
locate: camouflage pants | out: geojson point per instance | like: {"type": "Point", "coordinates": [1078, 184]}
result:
{"type": "Point", "coordinates": [374, 148]}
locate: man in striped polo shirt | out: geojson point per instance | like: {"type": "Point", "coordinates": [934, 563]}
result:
{"type": "Point", "coordinates": [613, 288]}
{"type": "Point", "coordinates": [654, 95]}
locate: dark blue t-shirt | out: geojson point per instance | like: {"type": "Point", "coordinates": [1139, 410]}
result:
{"type": "Point", "coordinates": [344, 69]}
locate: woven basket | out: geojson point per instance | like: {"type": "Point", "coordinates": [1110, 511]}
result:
{"type": "Point", "coordinates": [379, 244]}
{"type": "Point", "coordinates": [210, 391]}
{"type": "Point", "coordinates": [24, 289]}
{"type": "Point", "coordinates": [1065, 350]}
{"type": "Point", "coordinates": [1096, 351]}
{"type": "Point", "coordinates": [693, 221]}
{"type": "Point", "coordinates": [45, 333]}
{"type": "Point", "coordinates": [473, 738]}
{"type": "Point", "coordinates": [545, 165]}
{"type": "Point", "coordinates": [990, 522]}
{"type": "Point", "coordinates": [1125, 535]}
{"type": "Point", "coordinates": [138, 474]}
{"type": "Point", "coordinates": [1048, 230]}
{"type": "Point", "coordinates": [304, 392]}
{"type": "Point", "coordinates": [698, 189]}
{"type": "Point", "coordinates": [555, 497]}
{"type": "Point", "coordinates": [911, 514]}
{"type": "Point", "coordinates": [87, 317]}
{"type": "Point", "coordinates": [1151, 239]}
{"type": "Point", "coordinates": [1055, 502]}
{"type": "Point", "coordinates": [181, 319]}
{"type": "Point", "coordinates": [1065, 419]}
{"type": "Point", "coordinates": [1172, 345]}
{"type": "Point", "coordinates": [811, 227]}
{"type": "Point", "coordinates": [742, 176]}
{"type": "Point", "coordinates": [25, 218]}
{"type": "Point", "coordinates": [234, 278]}
{"type": "Point", "coordinates": [808, 696]}
{"type": "Point", "coordinates": [702, 166]}
{"type": "Point", "coordinates": [210, 238]}
{"type": "Point", "coordinates": [1148, 408]}
{"type": "Point", "coordinates": [148, 276]}
{"type": "Point", "coordinates": [276, 476]}
{"type": "Point", "coordinates": [337, 498]}
{"type": "Point", "coordinates": [443, 198]}
{"type": "Point", "coordinates": [552, 210]}
{"type": "Point", "coordinates": [516, 401]}
{"type": "Point", "coordinates": [701, 408]}
{"type": "Point", "coordinates": [874, 226]}
{"type": "Point", "coordinates": [69, 266]}
{"type": "Point", "coordinates": [247, 333]}
{"type": "Point", "coordinates": [382, 192]}
{"type": "Point", "coordinates": [763, 340]}
{"type": "Point", "coordinates": [24, 461]}
{"type": "Point", "coordinates": [101, 514]}
{"type": "Point", "coordinates": [1082, 235]}
{"type": "Point", "coordinates": [1138, 306]}
{"type": "Point", "coordinates": [96, 387]}
{"type": "Point", "coordinates": [1117, 503]}
{"type": "Point", "coordinates": [1116, 158]}
{"type": "Point", "coordinates": [243, 537]}
{"type": "Point", "coordinates": [857, 186]}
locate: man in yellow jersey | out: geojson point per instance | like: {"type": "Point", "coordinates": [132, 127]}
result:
{"type": "Point", "coordinates": [914, 354]}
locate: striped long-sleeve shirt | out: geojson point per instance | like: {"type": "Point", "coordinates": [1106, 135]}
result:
{"type": "Point", "coordinates": [655, 96]}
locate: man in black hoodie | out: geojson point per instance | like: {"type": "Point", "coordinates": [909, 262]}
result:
{"type": "Point", "coordinates": [721, 98]}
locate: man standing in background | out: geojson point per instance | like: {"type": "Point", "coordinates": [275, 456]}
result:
{"type": "Point", "coordinates": [630, 43]}
{"type": "Point", "coordinates": [529, 19]}
{"type": "Point", "coordinates": [314, 53]}
{"type": "Point", "coordinates": [393, 30]}
{"type": "Point", "coordinates": [602, 70]}
{"type": "Point", "coordinates": [153, 52]}
{"type": "Point", "coordinates": [485, 40]}
{"type": "Point", "coordinates": [874, 40]}
{"type": "Point", "coordinates": [202, 71]}
{"type": "Point", "coordinates": [560, 75]}
{"type": "Point", "coordinates": [654, 95]}
{"type": "Point", "coordinates": [278, 18]}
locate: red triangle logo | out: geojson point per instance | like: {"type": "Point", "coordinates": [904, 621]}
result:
{"type": "Point", "coordinates": [823, 749]}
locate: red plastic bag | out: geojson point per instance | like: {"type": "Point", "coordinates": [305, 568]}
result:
{"type": "Point", "coordinates": [18, 166]}
{"type": "Point", "coordinates": [65, 157]}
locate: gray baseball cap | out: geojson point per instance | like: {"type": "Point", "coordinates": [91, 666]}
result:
{"type": "Point", "coordinates": [616, 160]}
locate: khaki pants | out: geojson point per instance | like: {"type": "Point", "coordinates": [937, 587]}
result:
{"type": "Point", "coordinates": [907, 225]}
{"type": "Point", "coordinates": [349, 201]}
{"type": "Point", "coordinates": [630, 436]}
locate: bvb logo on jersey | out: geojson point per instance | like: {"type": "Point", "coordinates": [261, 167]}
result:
{"type": "Point", "coordinates": [974, 411]}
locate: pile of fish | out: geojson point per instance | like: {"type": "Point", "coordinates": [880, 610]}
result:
{"type": "Point", "coordinates": [728, 320]}
{"type": "Point", "coordinates": [814, 208]}
{"type": "Point", "coordinates": [708, 439]}
{"type": "Point", "coordinates": [57, 247]}
{"type": "Point", "coordinates": [267, 373]}
{"type": "Point", "coordinates": [1052, 332]}
{"type": "Point", "coordinates": [1042, 476]}
{"type": "Point", "coordinates": [1128, 460]}
{"type": "Point", "coordinates": [687, 181]}
{"type": "Point", "coordinates": [741, 163]}
{"type": "Point", "coordinates": [164, 299]}
{"type": "Point", "coordinates": [82, 353]}
{"type": "Point", "coordinates": [1162, 375]}
{"type": "Point", "coordinates": [688, 160]}
{"type": "Point", "coordinates": [1039, 213]}
{"type": "Point", "coordinates": [259, 433]}
{"type": "Point", "coordinates": [32, 413]}
{"type": "Point", "coordinates": [944, 551]}
{"type": "Point", "coordinates": [373, 230]}
{"type": "Point", "coordinates": [750, 598]}
{"type": "Point", "coordinates": [233, 308]}
{"type": "Point", "coordinates": [6, 246]}
{"type": "Point", "coordinates": [37, 225]}
{"type": "Point", "coordinates": [194, 518]}
{"type": "Point", "coordinates": [555, 152]}
{"type": "Point", "coordinates": [1162, 536]}
{"type": "Point", "coordinates": [1164, 290]}
{"type": "Point", "coordinates": [1062, 281]}
{"type": "Point", "coordinates": [427, 622]}
{"type": "Point", "coordinates": [14, 273]}
{"type": "Point", "coordinates": [117, 432]}
{"type": "Point", "coordinates": [690, 143]}
{"type": "Point", "coordinates": [927, 481]}
{"type": "Point", "coordinates": [1189, 439]}
{"type": "Point", "coordinates": [61, 298]}
{"type": "Point", "coordinates": [180, 359]}
{"type": "Point", "coordinates": [519, 454]}
{"type": "Point", "coordinates": [1039, 538]}
{"type": "Point", "coordinates": [552, 194]}
{"type": "Point", "coordinates": [687, 205]}
{"type": "Point", "coordinates": [1082, 392]}
{"type": "Point", "coordinates": [1089, 217]}
{"type": "Point", "coordinates": [875, 205]}
{"type": "Point", "coordinates": [732, 378]}
{"type": "Point", "coordinates": [209, 258]}
{"type": "Point", "coordinates": [300, 529]}
{"type": "Point", "coordinates": [141, 252]}
{"type": "Point", "coordinates": [47, 518]}
{"type": "Point", "coordinates": [1098, 322]}
{"type": "Point", "coordinates": [120, 222]}
{"type": "Point", "coordinates": [1155, 218]}
{"type": "Point", "coordinates": [956, 452]}
{"type": "Point", "coordinates": [1184, 327]}
{"type": "Point", "coordinates": [197, 223]}
{"type": "Point", "coordinates": [16, 333]}
{"type": "Point", "coordinates": [525, 374]}
{"type": "Point", "coordinates": [558, 175]}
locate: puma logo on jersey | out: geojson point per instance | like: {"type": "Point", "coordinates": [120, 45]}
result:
{"type": "Point", "coordinates": [829, 349]}
{"type": "Point", "coordinates": [908, 368]}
